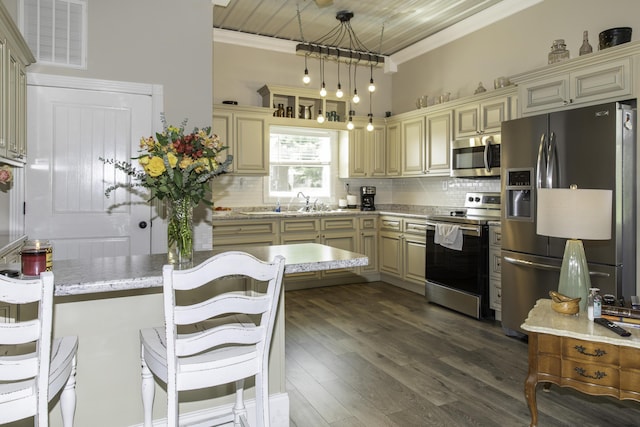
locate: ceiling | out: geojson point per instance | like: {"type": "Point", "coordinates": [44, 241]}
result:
{"type": "Point", "coordinates": [401, 23]}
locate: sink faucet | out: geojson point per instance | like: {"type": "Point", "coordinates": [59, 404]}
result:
{"type": "Point", "coordinates": [306, 207]}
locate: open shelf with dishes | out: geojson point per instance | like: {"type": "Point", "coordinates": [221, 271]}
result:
{"type": "Point", "coordinates": [303, 103]}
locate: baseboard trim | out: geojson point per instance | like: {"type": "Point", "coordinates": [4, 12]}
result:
{"type": "Point", "coordinates": [278, 407]}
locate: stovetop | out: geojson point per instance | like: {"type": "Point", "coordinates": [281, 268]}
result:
{"type": "Point", "coordinates": [479, 208]}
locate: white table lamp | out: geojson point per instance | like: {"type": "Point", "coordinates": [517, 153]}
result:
{"type": "Point", "coordinates": [574, 214]}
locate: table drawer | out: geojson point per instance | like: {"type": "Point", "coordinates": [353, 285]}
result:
{"type": "Point", "coordinates": [630, 382]}
{"type": "Point", "coordinates": [592, 352]}
{"type": "Point", "coordinates": [549, 344]}
{"type": "Point", "coordinates": [596, 374]}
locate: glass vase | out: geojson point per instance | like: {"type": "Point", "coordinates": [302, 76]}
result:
{"type": "Point", "coordinates": [180, 233]}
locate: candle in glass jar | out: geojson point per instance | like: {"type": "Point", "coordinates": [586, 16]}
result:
{"type": "Point", "coordinates": [37, 256]}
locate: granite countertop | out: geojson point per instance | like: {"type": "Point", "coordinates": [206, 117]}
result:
{"type": "Point", "coordinates": [412, 211]}
{"type": "Point", "coordinates": [542, 319]}
{"type": "Point", "coordinates": [78, 277]}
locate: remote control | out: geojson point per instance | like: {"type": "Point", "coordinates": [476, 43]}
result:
{"type": "Point", "coordinates": [612, 326]}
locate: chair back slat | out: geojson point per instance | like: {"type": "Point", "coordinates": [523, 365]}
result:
{"type": "Point", "coordinates": [16, 368]}
{"type": "Point", "coordinates": [18, 291]}
{"type": "Point", "coordinates": [19, 332]}
{"type": "Point", "coordinates": [226, 334]}
{"type": "Point", "coordinates": [222, 304]}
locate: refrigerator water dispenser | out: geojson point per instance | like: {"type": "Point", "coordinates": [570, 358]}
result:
{"type": "Point", "coordinates": [520, 204]}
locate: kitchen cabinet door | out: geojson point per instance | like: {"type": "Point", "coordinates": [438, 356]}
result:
{"type": "Point", "coordinates": [251, 149]}
{"type": "Point", "coordinates": [364, 155]}
{"type": "Point", "coordinates": [439, 143]}
{"type": "Point", "coordinates": [368, 243]}
{"type": "Point", "coordinates": [4, 104]}
{"type": "Point", "coordinates": [481, 118]}
{"type": "Point", "coordinates": [393, 147]}
{"type": "Point", "coordinates": [414, 259]}
{"type": "Point", "coordinates": [413, 147]}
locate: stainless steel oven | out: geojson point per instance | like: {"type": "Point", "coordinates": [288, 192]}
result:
{"type": "Point", "coordinates": [476, 157]}
{"type": "Point", "coordinates": [457, 277]}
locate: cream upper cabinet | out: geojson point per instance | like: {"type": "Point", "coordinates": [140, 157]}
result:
{"type": "Point", "coordinates": [603, 76]}
{"type": "Point", "coordinates": [246, 131]}
{"type": "Point", "coordinates": [413, 146]}
{"type": "Point", "coordinates": [15, 56]}
{"type": "Point", "coordinates": [393, 163]}
{"type": "Point", "coordinates": [438, 143]}
{"type": "Point", "coordinates": [483, 117]}
{"type": "Point", "coordinates": [362, 153]}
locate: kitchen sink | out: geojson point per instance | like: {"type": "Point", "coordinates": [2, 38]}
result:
{"type": "Point", "coordinates": [274, 213]}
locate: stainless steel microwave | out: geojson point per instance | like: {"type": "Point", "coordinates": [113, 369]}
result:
{"type": "Point", "coordinates": [476, 157]}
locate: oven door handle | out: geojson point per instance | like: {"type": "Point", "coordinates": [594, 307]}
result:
{"type": "Point", "coordinates": [542, 266]}
{"type": "Point", "coordinates": [475, 230]}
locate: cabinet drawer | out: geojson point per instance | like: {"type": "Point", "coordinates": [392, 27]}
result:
{"type": "Point", "coordinates": [329, 224]}
{"type": "Point", "coordinates": [495, 259]}
{"type": "Point", "coordinates": [630, 382]}
{"type": "Point", "coordinates": [390, 224]}
{"type": "Point", "coordinates": [629, 358]}
{"type": "Point", "coordinates": [418, 227]}
{"type": "Point", "coordinates": [549, 344]}
{"type": "Point", "coordinates": [243, 227]}
{"type": "Point", "coordinates": [591, 373]}
{"type": "Point", "coordinates": [368, 223]}
{"type": "Point", "coordinates": [592, 352]}
{"type": "Point", "coordinates": [299, 225]}
{"type": "Point", "coordinates": [495, 237]}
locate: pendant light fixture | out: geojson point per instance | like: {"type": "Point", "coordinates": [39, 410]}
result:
{"type": "Point", "coordinates": [306, 79]}
{"type": "Point", "coordinates": [370, 115]}
{"type": "Point", "coordinates": [341, 44]}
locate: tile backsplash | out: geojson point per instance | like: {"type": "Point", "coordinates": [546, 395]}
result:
{"type": "Point", "coordinates": [247, 191]}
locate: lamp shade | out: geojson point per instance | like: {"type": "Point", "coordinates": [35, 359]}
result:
{"type": "Point", "coordinates": [574, 213]}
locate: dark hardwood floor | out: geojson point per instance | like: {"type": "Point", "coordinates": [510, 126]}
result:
{"type": "Point", "coordinates": [375, 355]}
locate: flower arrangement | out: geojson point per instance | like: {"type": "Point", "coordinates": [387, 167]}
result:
{"type": "Point", "coordinates": [177, 167]}
{"type": "Point", "coordinates": [6, 175]}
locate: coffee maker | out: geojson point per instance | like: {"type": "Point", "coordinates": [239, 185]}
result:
{"type": "Point", "coordinates": [367, 194]}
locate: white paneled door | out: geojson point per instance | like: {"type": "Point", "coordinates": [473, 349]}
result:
{"type": "Point", "coordinates": [69, 129]}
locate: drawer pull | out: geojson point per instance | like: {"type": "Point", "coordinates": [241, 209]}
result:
{"type": "Point", "coordinates": [583, 373]}
{"type": "Point", "coordinates": [597, 353]}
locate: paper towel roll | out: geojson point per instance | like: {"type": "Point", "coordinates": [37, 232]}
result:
{"type": "Point", "coordinates": [342, 203]}
{"type": "Point", "coordinates": [352, 200]}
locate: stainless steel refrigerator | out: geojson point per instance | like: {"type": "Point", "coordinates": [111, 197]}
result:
{"type": "Point", "coordinates": [591, 147]}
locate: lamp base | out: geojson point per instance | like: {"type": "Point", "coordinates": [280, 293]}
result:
{"type": "Point", "coordinates": [574, 274]}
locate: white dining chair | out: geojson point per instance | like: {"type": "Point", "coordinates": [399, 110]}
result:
{"type": "Point", "coordinates": [33, 368]}
{"type": "Point", "coordinates": [224, 341]}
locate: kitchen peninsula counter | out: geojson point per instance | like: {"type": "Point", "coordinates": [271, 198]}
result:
{"type": "Point", "coordinates": [79, 277]}
{"type": "Point", "coordinates": [106, 301]}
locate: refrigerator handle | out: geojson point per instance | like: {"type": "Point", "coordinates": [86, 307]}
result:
{"type": "Point", "coordinates": [541, 266]}
{"type": "Point", "coordinates": [541, 157]}
{"type": "Point", "coordinates": [552, 163]}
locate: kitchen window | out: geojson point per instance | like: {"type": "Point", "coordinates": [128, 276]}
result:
{"type": "Point", "coordinates": [301, 161]}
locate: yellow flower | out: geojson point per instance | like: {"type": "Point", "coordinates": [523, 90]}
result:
{"type": "Point", "coordinates": [184, 163]}
{"type": "Point", "coordinates": [144, 160]}
{"type": "Point", "coordinates": [173, 160]}
{"type": "Point", "coordinates": [155, 167]}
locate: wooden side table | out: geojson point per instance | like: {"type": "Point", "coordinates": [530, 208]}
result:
{"type": "Point", "coordinates": [572, 351]}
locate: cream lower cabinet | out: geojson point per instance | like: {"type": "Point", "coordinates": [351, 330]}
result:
{"type": "Point", "coordinates": [245, 130]}
{"type": "Point", "coordinates": [368, 243]}
{"type": "Point", "coordinates": [338, 232]}
{"type": "Point", "coordinates": [236, 234]}
{"type": "Point", "coordinates": [402, 249]}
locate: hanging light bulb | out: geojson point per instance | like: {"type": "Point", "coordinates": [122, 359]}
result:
{"type": "Point", "coordinates": [372, 86]}
{"type": "Point", "coordinates": [320, 118]}
{"type": "Point", "coordinates": [352, 113]}
{"type": "Point", "coordinates": [370, 124]}
{"type": "Point", "coordinates": [356, 98]}
{"type": "Point", "coordinates": [323, 91]}
{"type": "Point", "coordinates": [306, 79]}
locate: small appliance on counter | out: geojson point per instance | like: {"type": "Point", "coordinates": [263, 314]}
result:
{"type": "Point", "coordinates": [367, 195]}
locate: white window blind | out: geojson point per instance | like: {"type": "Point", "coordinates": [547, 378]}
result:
{"type": "Point", "coordinates": [56, 31]}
